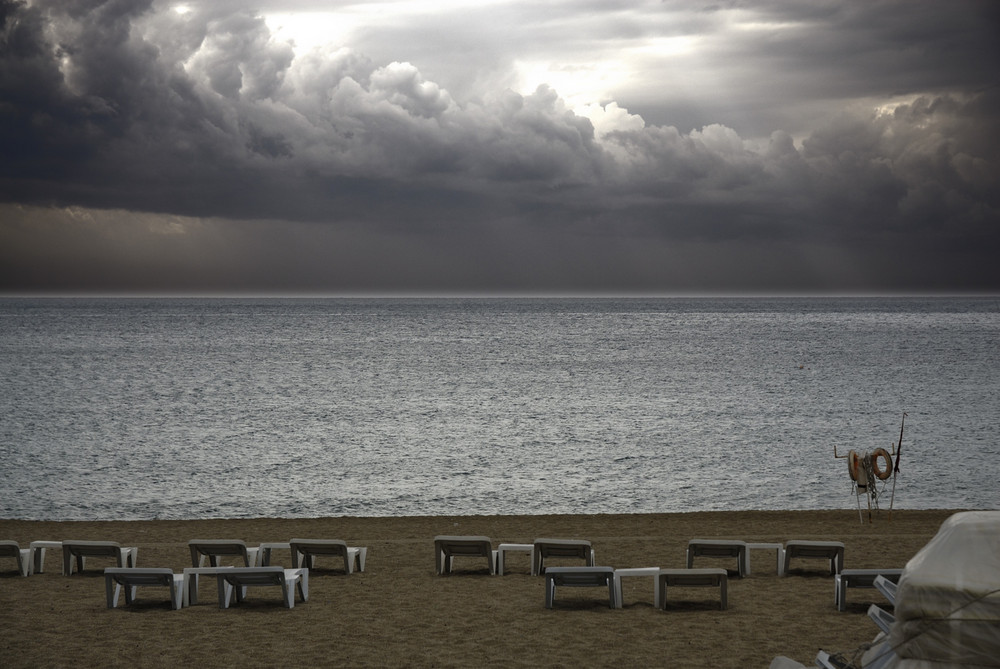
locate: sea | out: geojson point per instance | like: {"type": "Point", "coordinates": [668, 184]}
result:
{"type": "Point", "coordinates": [145, 408]}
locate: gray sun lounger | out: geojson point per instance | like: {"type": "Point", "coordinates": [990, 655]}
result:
{"type": "Point", "coordinates": [238, 579]}
{"type": "Point", "coordinates": [22, 556]}
{"type": "Point", "coordinates": [213, 549]}
{"type": "Point", "coordinates": [559, 548]}
{"type": "Point", "coordinates": [116, 578]}
{"type": "Point", "coordinates": [719, 548]}
{"type": "Point", "coordinates": [887, 587]}
{"type": "Point", "coordinates": [447, 548]}
{"type": "Point", "coordinates": [881, 617]}
{"type": "Point", "coordinates": [693, 578]}
{"type": "Point", "coordinates": [833, 551]}
{"type": "Point", "coordinates": [859, 578]}
{"type": "Point", "coordinates": [81, 550]}
{"type": "Point", "coordinates": [580, 577]}
{"type": "Point", "coordinates": [305, 551]}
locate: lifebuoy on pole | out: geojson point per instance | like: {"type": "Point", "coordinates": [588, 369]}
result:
{"type": "Point", "coordinates": [853, 464]}
{"type": "Point", "coordinates": [881, 472]}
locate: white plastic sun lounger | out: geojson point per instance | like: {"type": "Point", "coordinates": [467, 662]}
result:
{"type": "Point", "coordinates": [116, 578]}
{"type": "Point", "coordinates": [580, 577]}
{"type": "Point", "coordinates": [887, 587]}
{"type": "Point", "coordinates": [559, 548]}
{"type": "Point", "coordinates": [213, 549]}
{"type": "Point", "coordinates": [22, 556]}
{"type": "Point", "coordinates": [692, 578]}
{"type": "Point", "coordinates": [236, 580]}
{"type": "Point", "coordinates": [859, 578]}
{"type": "Point", "coordinates": [719, 548]}
{"type": "Point", "coordinates": [81, 550]}
{"type": "Point", "coordinates": [307, 550]}
{"type": "Point", "coordinates": [447, 548]}
{"type": "Point", "coordinates": [879, 656]}
{"type": "Point", "coordinates": [881, 617]}
{"type": "Point", "coordinates": [833, 551]}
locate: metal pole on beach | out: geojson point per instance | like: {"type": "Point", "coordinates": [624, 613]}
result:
{"type": "Point", "coordinates": [895, 470]}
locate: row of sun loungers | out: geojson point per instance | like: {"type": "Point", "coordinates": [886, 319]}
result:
{"type": "Point", "coordinates": [304, 551]}
{"type": "Point", "coordinates": [31, 560]}
{"type": "Point", "coordinates": [233, 581]}
{"type": "Point", "coordinates": [447, 548]}
{"type": "Point", "coordinates": [611, 579]}
{"type": "Point", "coordinates": [253, 566]}
{"type": "Point", "coordinates": [833, 551]}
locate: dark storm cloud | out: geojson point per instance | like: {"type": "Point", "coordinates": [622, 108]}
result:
{"type": "Point", "coordinates": [824, 146]}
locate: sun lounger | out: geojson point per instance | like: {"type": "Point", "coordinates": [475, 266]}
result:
{"type": "Point", "coordinates": [308, 549]}
{"type": "Point", "coordinates": [559, 548]}
{"type": "Point", "coordinates": [22, 556]}
{"type": "Point", "coordinates": [213, 549]}
{"type": "Point", "coordinates": [822, 550]}
{"type": "Point", "coordinates": [116, 578]}
{"type": "Point", "coordinates": [859, 578]}
{"type": "Point", "coordinates": [238, 579]}
{"type": "Point", "coordinates": [879, 656]}
{"type": "Point", "coordinates": [887, 587]}
{"type": "Point", "coordinates": [692, 578]}
{"type": "Point", "coordinates": [882, 618]}
{"type": "Point", "coordinates": [81, 550]}
{"type": "Point", "coordinates": [825, 660]}
{"type": "Point", "coordinates": [447, 548]}
{"type": "Point", "coordinates": [719, 548]}
{"type": "Point", "coordinates": [782, 662]}
{"type": "Point", "coordinates": [580, 577]}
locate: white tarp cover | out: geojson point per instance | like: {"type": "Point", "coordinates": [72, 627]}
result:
{"type": "Point", "coordinates": [948, 603]}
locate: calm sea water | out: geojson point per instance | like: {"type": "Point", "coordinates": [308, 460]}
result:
{"type": "Point", "coordinates": [199, 408]}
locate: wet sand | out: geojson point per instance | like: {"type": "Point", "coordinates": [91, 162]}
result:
{"type": "Point", "coordinates": [400, 613]}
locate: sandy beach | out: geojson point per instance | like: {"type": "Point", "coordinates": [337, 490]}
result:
{"type": "Point", "coordinates": [400, 613]}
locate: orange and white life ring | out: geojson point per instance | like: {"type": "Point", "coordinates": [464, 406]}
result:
{"type": "Point", "coordinates": [881, 454]}
{"type": "Point", "coordinates": [853, 464]}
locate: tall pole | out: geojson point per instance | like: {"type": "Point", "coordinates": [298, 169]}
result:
{"type": "Point", "coordinates": [895, 470]}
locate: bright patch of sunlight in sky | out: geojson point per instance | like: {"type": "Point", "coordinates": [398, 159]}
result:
{"type": "Point", "coordinates": [308, 30]}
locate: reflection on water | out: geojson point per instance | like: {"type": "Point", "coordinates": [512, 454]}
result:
{"type": "Point", "coordinates": [240, 408]}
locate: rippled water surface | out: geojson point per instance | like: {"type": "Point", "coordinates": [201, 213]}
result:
{"type": "Point", "coordinates": [195, 408]}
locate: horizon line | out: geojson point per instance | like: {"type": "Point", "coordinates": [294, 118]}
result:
{"type": "Point", "coordinates": [306, 295]}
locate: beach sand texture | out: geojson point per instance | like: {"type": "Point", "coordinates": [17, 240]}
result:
{"type": "Point", "coordinates": [400, 613]}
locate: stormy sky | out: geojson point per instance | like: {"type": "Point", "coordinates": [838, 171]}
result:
{"type": "Point", "coordinates": [507, 146]}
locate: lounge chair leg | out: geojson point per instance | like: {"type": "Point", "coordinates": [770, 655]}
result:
{"type": "Point", "coordinates": [225, 592]}
{"type": "Point", "coordinates": [304, 586]}
{"type": "Point", "coordinates": [111, 591]}
{"type": "Point", "coordinates": [362, 555]}
{"type": "Point", "coordinates": [177, 595]}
